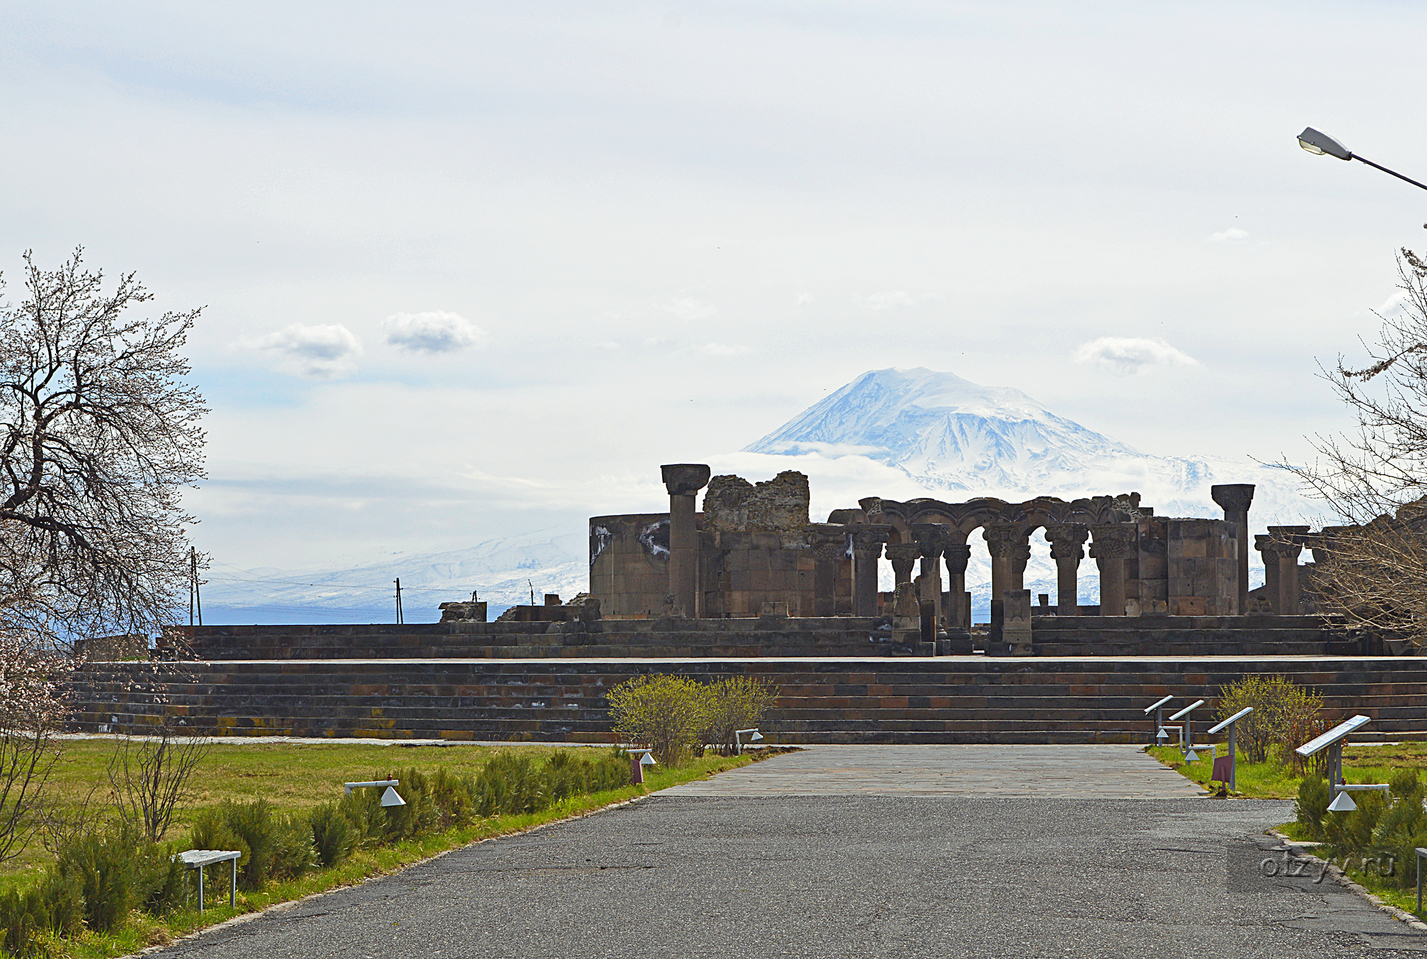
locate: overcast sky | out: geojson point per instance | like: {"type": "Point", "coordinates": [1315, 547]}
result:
{"type": "Point", "coordinates": [469, 268]}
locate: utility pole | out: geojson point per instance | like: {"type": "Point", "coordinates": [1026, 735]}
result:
{"type": "Point", "coordinates": [195, 600]}
{"type": "Point", "coordinates": [399, 617]}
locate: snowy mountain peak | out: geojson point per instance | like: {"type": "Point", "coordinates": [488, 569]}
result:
{"type": "Point", "coordinates": [944, 430]}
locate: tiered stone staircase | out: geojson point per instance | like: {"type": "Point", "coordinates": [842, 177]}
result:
{"type": "Point", "coordinates": [970, 699]}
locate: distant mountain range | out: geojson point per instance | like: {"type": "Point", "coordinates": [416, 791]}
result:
{"type": "Point", "coordinates": [951, 437]}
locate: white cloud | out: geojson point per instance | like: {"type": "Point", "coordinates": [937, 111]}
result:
{"type": "Point", "coordinates": [894, 298]}
{"type": "Point", "coordinates": [1232, 235]}
{"type": "Point", "coordinates": [1125, 355]}
{"type": "Point", "coordinates": [1394, 306]}
{"type": "Point", "coordinates": [320, 351]}
{"type": "Point", "coordinates": [434, 332]}
{"type": "Point", "coordinates": [804, 299]}
{"type": "Point", "coordinates": [687, 308]}
{"type": "Point", "coordinates": [719, 349]}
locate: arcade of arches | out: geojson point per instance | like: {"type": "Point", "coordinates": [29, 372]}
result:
{"type": "Point", "coordinates": [753, 551]}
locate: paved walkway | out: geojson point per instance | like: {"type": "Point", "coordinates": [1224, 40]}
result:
{"type": "Point", "coordinates": [898, 854]}
{"type": "Point", "coordinates": [1033, 772]}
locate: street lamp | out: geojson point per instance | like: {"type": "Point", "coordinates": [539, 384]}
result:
{"type": "Point", "coordinates": [1320, 143]}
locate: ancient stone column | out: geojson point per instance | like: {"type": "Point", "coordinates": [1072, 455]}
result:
{"type": "Point", "coordinates": [931, 539]}
{"type": "Point", "coordinates": [1108, 547]}
{"type": "Point", "coordinates": [867, 542]}
{"type": "Point", "coordinates": [1265, 545]}
{"type": "Point", "coordinates": [902, 556]}
{"type": "Point", "coordinates": [1235, 498]}
{"type": "Point", "coordinates": [1020, 556]}
{"type": "Point", "coordinates": [829, 545]}
{"type": "Point", "coordinates": [683, 481]}
{"type": "Point", "coordinates": [1286, 544]}
{"type": "Point", "coordinates": [1067, 542]}
{"type": "Point", "coordinates": [956, 556]}
{"type": "Point", "coordinates": [1001, 541]}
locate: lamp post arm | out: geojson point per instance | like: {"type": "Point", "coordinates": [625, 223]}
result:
{"type": "Point", "coordinates": [1378, 166]}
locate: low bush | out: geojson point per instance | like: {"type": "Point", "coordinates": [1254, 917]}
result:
{"type": "Point", "coordinates": [273, 846]}
{"type": "Point", "coordinates": [1312, 805]}
{"type": "Point", "coordinates": [30, 920]}
{"type": "Point", "coordinates": [1285, 716]}
{"type": "Point", "coordinates": [733, 703]}
{"type": "Point", "coordinates": [333, 836]}
{"type": "Point", "coordinates": [676, 717]}
{"type": "Point", "coordinates": [102, 869]}
{"type": "Point", "coordinates": [666, 713]}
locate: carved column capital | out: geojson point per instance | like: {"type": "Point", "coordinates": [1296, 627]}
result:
{"type": "Point", "coordinates": [685, 479]}
{"type": "Point", "coordinates": [931, 539]}
{"type": "Point", "coordinates": [1289, 535]}
{"type": "Point", "coordinates": [1001, 538]}
{"type": "Point", "coordinates": [1110, 542]}
{"type": "Point", "coordinates": [1279, 549]}
{"type": "Point", "coordinates": [827, 540]}
{"type": "Point", "coordinates": [1067, 540]}
{"type": "Point", "coordinates": [871, 505]}
{"type": "Point", "coordinates": [867, 541]}
{"type": "Point", "coordinates": [956, 556]}
{"type": "Point", "coordinates": [902, 556]}
{"type": "Point", "coordinates": [1233, 497]}
{"type": "Point", "coordinates": [897, 552]}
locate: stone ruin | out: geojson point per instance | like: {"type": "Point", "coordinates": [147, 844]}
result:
{"type": "Point", "coordinates": [754, 551]}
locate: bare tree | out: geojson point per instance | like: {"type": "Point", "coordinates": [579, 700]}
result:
{"type": "Point", "coordinates": [99, 434]}
{"type": "Point", "coordinates": [1372, 570]}
{"type": "Point", "coordinates": [152, 774]}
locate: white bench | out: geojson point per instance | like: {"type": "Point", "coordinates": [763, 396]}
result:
{"type": "Point", "coordinates": [198, 858]}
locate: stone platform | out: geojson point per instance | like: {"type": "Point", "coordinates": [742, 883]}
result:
{"type": "Point", "coordinates": [776, 636]}
{"type": "Point", "coordinates": [958, 699]}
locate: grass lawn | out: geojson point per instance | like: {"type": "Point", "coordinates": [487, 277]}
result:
{"type": "Point", "coordinates": [296, 777]}
{"type": "Point", "coordinates": [1269, 780]}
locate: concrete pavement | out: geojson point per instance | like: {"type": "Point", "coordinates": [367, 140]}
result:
{"type": "Point", "coordinates": [927, 851]}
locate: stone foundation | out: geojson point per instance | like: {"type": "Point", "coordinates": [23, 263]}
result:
{"type": "Point", "coordinates": [963, 700]}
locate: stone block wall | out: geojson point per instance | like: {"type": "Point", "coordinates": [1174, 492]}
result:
{"type": "Point", "coordinates": [629, 564]}
{"type": "Point", "coordinates": [746, 572]}
{"type": "Point", "coordinates": [1146, 573]}
{"type": "Point", "coordinates": [1202, 567]}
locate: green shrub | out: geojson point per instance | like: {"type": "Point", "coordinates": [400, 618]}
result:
{"type": "Point", "coordinates": [30, 920]}
{"type": "Point", "coordinates": [418, 817]}
{"type": "Point", "coordinates": [333, 836]}
{"type": "Point", "coordinates": [1312, 805]}
{"type": "Point", "coordinates": [1285, 716]}
{"type": "Point", "coordinates": [734, 703]}
{"type": "Point", "coordinates": [507, 784]}
{"type": "Point", "coordinates": [101, 867]}
{"type": "Point", "coordinates": [160, 880]}
{"type": "Point", "coordinates": [452, 798]}
{"type": "Point", "coordinates": [666, 713]}
{"type": "Point", "coordinates": [273, 847]}
{"type": "Point", "coordinates": [1352, 832]}
{"type": "Point", "coordinates": [1405, 784]}
{"type": "Point", "coordinates": [362, 808]}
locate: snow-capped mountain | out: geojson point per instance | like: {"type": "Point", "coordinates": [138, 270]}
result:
{"type": "Point", "coordinates": [960, 440]}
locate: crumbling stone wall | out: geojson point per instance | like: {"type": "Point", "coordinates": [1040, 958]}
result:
{"type": "Point", "coordinates": [780, 505]}
{"type": "Point", "coordinates": [753, 548]}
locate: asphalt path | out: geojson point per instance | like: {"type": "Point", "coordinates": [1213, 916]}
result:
{"type": "Point", "coordinates": [946, 851]}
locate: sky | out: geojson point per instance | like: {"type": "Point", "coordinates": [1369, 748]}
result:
{"type": "Point", "coordinates": [468, 269]}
